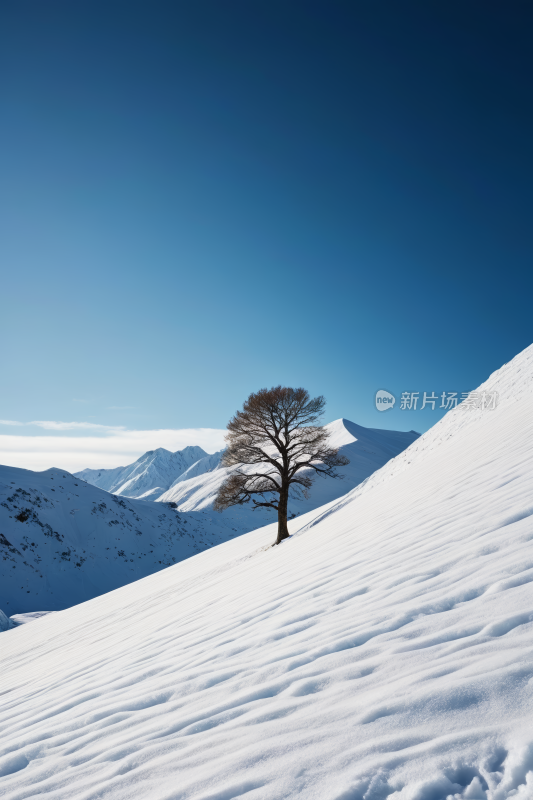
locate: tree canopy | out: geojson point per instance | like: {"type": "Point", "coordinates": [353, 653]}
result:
{"type": "Point", "coordinates": [276, 432]}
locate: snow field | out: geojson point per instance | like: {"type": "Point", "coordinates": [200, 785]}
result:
{"type": "Point", "coordinates": [384, 651]}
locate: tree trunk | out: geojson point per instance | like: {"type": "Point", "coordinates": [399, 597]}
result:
{"type": "Point", "coordinates": [283, 531]}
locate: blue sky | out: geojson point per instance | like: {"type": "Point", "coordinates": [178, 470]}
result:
{"type": "Point", "coordinates": [202, 199]}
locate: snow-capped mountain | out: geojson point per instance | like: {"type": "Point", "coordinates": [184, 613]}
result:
{"type": "Point", "coordinates": [367, 448]}
{"type": "Point", "coordinates": [383, 651]}
{"type": "Point", "coordinates": [148, 477]}
{"type": "Point", "coordinates": [63, 541]}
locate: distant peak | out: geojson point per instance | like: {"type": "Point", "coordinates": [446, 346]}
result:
{"type": "Point", "coordinates": [158, 451]}
{"type": "Point", "coordinates": [192, 448]}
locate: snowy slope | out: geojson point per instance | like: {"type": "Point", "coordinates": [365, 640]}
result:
{"type": "Point", "coordinates": [63, 541]}
{"type": "Point", "coordinates": [384, 651]}
{"type": "Point", "coordinates": [148, 477]}
{"type": "Point", "coordinates": [367, 448]}
{"type": "Point", "coordinates": [204, 465]}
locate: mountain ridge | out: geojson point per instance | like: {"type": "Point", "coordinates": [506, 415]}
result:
{"type": "Point", "coordinates": [147, 477]}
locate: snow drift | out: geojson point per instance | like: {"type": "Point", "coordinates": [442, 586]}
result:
{"type": "Point", "coordinates": [384, 651]}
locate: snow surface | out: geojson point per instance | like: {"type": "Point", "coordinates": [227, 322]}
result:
{"type": "Point", "coordinates": [367, 448]}
{"type": "Point", "coordinates": [385, 650]}
{"type": "Point", "coordinates": [148, 477]}
{"type": "Point", "coordinates": [63, 541]}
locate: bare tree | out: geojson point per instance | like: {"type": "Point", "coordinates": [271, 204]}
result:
{"type": "Point", "coordinates": [276, 432]}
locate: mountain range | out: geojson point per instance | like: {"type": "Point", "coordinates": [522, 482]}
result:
{"type": "Point", "coordinates": [148, 477]}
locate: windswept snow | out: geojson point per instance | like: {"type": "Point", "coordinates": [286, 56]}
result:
{"type": "Point", "coordinates": [63, 541]}
{"type": "Point", "coordinates": [148, 477]}
{"type": "Point", "coordinates": [367, 448]}
{"type": "Point", "coordinates": [384, 651]}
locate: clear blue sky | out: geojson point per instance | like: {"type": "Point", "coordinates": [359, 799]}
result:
{"type": "Point", "coordinates": [200, 199]}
